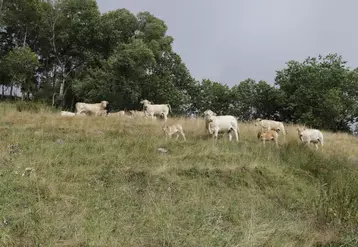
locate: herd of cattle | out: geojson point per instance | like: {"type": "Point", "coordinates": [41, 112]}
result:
{"type": "Point", "coordinates": [214, 124]}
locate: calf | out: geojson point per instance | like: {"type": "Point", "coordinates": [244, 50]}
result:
{"type": "Point", "coordinates": [177, 129]}
{"type": "Point", "coordinates": [269, 135]}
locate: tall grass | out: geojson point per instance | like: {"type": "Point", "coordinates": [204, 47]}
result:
{"type": "Point", "coordinates": [102, 182]}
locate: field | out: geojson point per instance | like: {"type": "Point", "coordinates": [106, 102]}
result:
{"type": "Point", "coordinates": [100, 181]}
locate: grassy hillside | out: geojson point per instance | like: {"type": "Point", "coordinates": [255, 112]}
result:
{"type": "Point", "coordinates": [101, 182]}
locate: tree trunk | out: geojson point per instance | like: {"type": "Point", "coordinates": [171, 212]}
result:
{"type": "Point", "coordinates": [61, 94]}
{"type": "Point", "coordinates": [11, 88]}
{"type": "Point", "coordinates": [24, 43]}
{"type": "Point", "coordinates": [53, 99]}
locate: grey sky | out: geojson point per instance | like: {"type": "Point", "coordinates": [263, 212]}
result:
{"type": "Point", "coordinates": [231, 40]}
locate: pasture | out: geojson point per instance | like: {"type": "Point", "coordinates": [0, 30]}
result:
{"type": "Point", "coordinates": [101, 181]}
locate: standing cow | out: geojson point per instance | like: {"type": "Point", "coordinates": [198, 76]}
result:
{"type": "Point", "coordinates": [156, 109]}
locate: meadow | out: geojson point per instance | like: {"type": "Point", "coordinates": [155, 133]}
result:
{"type": "Point", "coordinates": [101, 181]}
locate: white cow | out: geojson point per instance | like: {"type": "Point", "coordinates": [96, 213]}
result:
{"type": "Point", "coordinates": [310, 135]}
{"type": "Point", "coordinates": [223, 123]}
{"type": "Point", "coordinates": [67, 113]}
{"type": "Point", "coordinates": [155, 109]}
{"type": "Point", "coordinates": [177, 129]}
{"type": "Point", "coordinates": [271, 125]}
{"type": "Point", "coordinates": [269, 135]}
{"type": "Point", "coordinates": [91, 108]}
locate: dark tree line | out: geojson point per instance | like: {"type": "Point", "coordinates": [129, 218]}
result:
{"type": "Point", "coordinates": [64, 51]}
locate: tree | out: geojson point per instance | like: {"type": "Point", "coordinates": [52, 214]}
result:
{"type": "Point", "coordinates": [70, 29]}
{"type": "Point", "coordinates": [213, 96]}
{"type": "Point", "coordinates": [267, 101]}
{"type": "Point", "coordinates": [319, 92]}
{"type": "Point", "coordinates": [243, 98]}
{"type": "Point", "coordinates": [21, 64]}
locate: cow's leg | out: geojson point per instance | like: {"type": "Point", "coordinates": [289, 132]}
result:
{"type": "Point", "coordinates": [320, 141]}
{"type": "Point", "coordinates": [177, 135]}
{"type": "Point", "coordinates": [183, 135]}
{"type": "Point", "coordinates": [165, 117]}
{"type": "Point", "coordinates": [230, 135]}
{"type": "Point", "coordinates": [236, 135]}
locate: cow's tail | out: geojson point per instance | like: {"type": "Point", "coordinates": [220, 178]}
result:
{"type": "Point", "coordinates": [170, 108]}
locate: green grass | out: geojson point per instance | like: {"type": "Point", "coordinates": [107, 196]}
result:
{"type": "Point", "coordinates": [107, 185]}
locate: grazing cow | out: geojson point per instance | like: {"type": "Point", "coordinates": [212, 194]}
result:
{"type": "Point", "coordinates": [91, 108]}
{"type": "Point", "coordinates": [223, 123]}
{"type": "Point", "coordinates": [271, 125]}
{"type": "Point", "coordinates": [177, 129]}
{"type": "Point", "coordinates": [269, 135]}
{"type": "Point", "coordinates": [308, 136]}
{"type": "Point", "coordinates": [67, 113]}
{"type": "Point", "coordinates": [155, 109]}
{"type": "Point", "coordinates": [207, 114]}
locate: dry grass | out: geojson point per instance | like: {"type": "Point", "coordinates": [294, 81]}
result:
{"type": "Point", "coordinates": [105, 184]}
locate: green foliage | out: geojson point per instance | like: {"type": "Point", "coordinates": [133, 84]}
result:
{"type": "Point", "coordinates": [20, 65]}
{"type": "Point", "coordinates": [320, 92]}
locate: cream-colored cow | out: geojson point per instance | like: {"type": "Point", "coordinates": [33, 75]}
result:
{"type": "Point", "coordinates": [308, 136]}
{"type": "Point", "coordinates": [155, 109]}
{"type": "Point", "coordinates": [223, 123]}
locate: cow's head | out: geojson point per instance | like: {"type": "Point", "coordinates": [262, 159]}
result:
{"type": "Point", "coordinates": [257, 121]}
{"type": "Point", "coordinates": [209, 113]}
{"type": "Point", "coordinates": [164, 127]}
{"type": "Point", "coordinates": [300, 130]}
{"type": "Point", "coordinates": [145, 102]}
{"type": "Point", "coordinates": [211, 118]}
{"type": "Point", "coordinates": [104, 104]}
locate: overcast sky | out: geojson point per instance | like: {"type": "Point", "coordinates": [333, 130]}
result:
{"type": "Point", "coordinates": [231, 40]}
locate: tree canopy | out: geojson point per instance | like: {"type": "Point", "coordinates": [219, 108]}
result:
{"type": "Point", "coordinates": [64, 51]}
